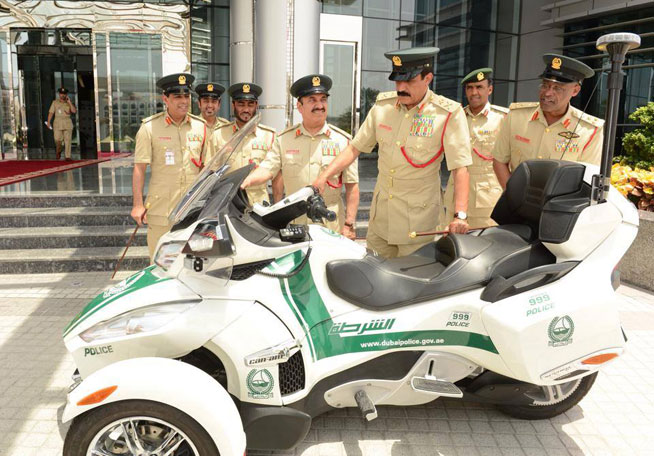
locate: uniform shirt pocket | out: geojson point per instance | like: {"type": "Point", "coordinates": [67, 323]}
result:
{"type": "Point", "coordinates": [486, 195]}
{"type": "Point", "coordinates": [421, 149]}
{"type": "Point", "coordinates": [423, 210]}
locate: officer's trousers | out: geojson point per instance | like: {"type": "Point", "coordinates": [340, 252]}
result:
{"type": "Point", "coordinates": [154, 234]}
{"type": "Point", "coordinates": [381, 246]}
{"type": "Point", "coordinates": [66, 136]}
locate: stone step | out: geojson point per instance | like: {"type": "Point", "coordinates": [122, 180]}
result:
{"type": "Point", "coordinates": [65, 216]}
{"type": "Point", "coordinates": [70, 237]}
{"type": "Point", "coordinates": [76, 199]}
{"type": "Point", "coordinates": [35, 261]}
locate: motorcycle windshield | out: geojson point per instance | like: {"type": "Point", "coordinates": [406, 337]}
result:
{"type": "Point", "coordinates": [213, 170]}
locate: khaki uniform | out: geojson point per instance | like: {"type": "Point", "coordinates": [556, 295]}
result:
{"type": "Point", "coordinates": [253, 149]}
{"type": "Point", "coordinates": [302, 157]}
{"type": "Point", "coordinates": [62, 126]}
{"type": "Point", "coordinates": [412, 145]}
{"type": "Point", "coordinates": [485, 190]}
{"type": "Point", "coordinates": [525, 135]}
{"type": "Point", "coordinates": [175, 154]}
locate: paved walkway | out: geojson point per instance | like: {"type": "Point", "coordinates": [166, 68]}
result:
{"type": "Point", "coordinates": [617, 416]}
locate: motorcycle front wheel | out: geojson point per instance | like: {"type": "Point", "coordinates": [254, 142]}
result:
{"type": "Point", "coordinates": [551, 401]}
{"type": "Point", "coordinates": [137, 427]}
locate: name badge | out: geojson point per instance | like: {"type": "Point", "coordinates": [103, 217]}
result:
{"type": "Point", "coordinates": [170, 157]}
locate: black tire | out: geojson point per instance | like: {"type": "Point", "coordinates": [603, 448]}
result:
{"type": "Point", "coordinates": [85, 427]}
{"type": "Point", "coordinates": [543, 412]}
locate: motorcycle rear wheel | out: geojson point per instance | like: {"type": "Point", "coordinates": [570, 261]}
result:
{"type": "Point", "coordinates": [552, 400]}
{"type": "Point", "coordinates": [127, 427]}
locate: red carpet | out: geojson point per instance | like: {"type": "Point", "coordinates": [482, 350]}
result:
{"type": "Point", "coordinates": [12, 171]}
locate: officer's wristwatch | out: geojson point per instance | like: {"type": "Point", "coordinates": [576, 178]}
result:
{"type": "Point", "coordinates": [349, 225]}
{"type": "Point", "coordinates": [461, 215]}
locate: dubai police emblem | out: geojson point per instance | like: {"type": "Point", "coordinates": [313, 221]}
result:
{"type": "Point", "coordinates": [560, 331]}
{"type": "Point", "coordinates": [210, 87]}
{"type": "Point", "coordinates": [315, 81]}
{"type": "Point", "coordinates": [181, 79]}
{"type": "Point", "coordinates": [556, 63]}
{"type": "Point", "coordinates": [260, 384]}
{"type": "Point", "coordinates": [480, 76]}
{"type": "Point", "coordinates": [422, 126]}
{"type": "Point", "coordinates": [397, 61]}
{"type": "Point", "coordinates": [246, 88]}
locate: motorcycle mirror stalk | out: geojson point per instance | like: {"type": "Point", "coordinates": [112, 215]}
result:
{"type": "Point", "coordinates": [616, 45]}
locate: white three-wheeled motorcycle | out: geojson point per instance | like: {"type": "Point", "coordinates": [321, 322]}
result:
{"type": "Point", "coordinates": [247, 326]}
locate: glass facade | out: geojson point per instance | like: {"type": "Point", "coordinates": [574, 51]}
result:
{"type": "Point", "coordinates": [470, 34]}
{"type": "Point", "coordinates": [210, 47]}
{"type": "Point", "coordinates": [638, 88]}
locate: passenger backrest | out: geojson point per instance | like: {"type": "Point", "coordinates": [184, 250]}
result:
{"type": "Point", "coordinates": [546, 195]}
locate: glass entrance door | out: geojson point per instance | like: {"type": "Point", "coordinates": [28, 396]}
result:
{"type": "Point", "coordinates": [338, 61]}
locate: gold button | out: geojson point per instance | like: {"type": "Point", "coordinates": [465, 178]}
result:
{"type": "Point", "coordinates": [540, 156]}
{"type": "Point", "coordinates": [390, 197]}
{"type": "Point", "coordinates": [397, 143]}
{"type": "Point", "coordinates": [406, 116]}
{"type": "Point", "coordinates": [313, 139]}
{"type": "Point", "coordinates": [547, 130]}
{"type": "Point", "coordinates": [392, 171]}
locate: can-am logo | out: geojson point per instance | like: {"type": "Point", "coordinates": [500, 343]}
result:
{"type": "Point", "coordinates": [560, 331]}
{"type": "Point", "coordinates": [260, 384]}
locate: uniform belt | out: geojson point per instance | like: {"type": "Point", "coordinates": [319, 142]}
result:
{"type": "Point", "coordinates": [388, 181]}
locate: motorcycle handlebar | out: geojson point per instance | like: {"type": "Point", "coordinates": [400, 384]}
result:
{"type": "Point", "coordinates": [317, 210]}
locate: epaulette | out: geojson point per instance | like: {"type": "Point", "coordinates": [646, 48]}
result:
{"type": "Point", "coordinates": [267, 128]}
{"type": "Point", "coordinates": [445, 103]}
{"type": "Point", "coordinates": [291, 128]}
{"type": "Point", "coordinates": [228, 124]}
{"type": "Point", "coordinates": [386, 95]}
{"type": "Point", "coordinates": [338, 130]}
{"type": "Point", "coordinates": [148, 119]}
{"type": "Point", "coordinates": [501, 109]}
{"type": "Point", "coordinates": [525, 104]}
{"type": "Point", "coordinates": [594, 121]}
{"type": "Point", "coordinates": [193, 116]}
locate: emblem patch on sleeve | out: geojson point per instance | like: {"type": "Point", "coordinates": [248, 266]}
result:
{"type": "Point", "coordinates": [422, 126]}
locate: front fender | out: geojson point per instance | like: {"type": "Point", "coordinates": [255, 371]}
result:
{"type": "Point", "coordinates": [170, 382]}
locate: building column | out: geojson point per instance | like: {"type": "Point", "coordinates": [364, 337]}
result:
{"type": "Point", "coordinates": [287, 36]}
{"type": "Point", "coordinates": [241, 46]}
{"type": "Point", "coordinates": [270, 62]}
{"type": "Point", "coordinates": [306, 49]}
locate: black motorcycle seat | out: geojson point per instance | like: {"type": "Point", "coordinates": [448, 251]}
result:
{"type": "Point", "coordinates": [453, 264]}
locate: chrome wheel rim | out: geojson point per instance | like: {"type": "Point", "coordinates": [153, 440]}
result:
{"type": "Point", "coordinates": [141, 436]}
{"type": "Point", "coordinates": [554, 394]}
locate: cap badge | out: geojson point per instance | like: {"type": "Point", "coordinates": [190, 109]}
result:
{"type": "Point", "coordinates": [480, 76]}
{"type": "Point", "coordinates": [556, 63]}
{"type": "Point", "coordinates": [315, 81]}
{"type": "Point", "coordinates": [181, 79]}
{"type": "Point", "coordinates": [210, 87]}
{"type": "Point", "coordinates": [246, 88]}
{"type": "Point", "coordinates": [397, 61]}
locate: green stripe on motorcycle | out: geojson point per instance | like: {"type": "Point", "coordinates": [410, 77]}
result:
{"type": "Point", "coordinates": [308, 302]}
{"type": "Point", "coordinates": [134, 282]}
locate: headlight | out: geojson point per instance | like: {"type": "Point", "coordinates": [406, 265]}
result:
{"type": "Point", "coordinates": [167, 253]}
{"type": "Point", "coordinates": [137, 321]}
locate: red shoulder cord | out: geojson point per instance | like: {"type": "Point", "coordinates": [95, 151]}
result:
{"type": "Point", "coordinates": [435, 157]}
{"type": "Point", "coordinates": [204, 138]}
{"type": "Point", "coordinates": [482, 156]}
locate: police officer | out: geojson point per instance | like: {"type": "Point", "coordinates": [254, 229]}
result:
{"type": "Point", "coordinates": [61, 109]}
{"type": "Point", "coordinates": [550, 128]}
{"type": "Point", "coordinates": [415, 129]}
{"type": "Point", "coordinates": [305, 150]}
{"type": "Point", "coordinates": [175, 144]}
{"type": "Point", "coordinates": [209, 103]}
{"type": "Point", "coordinates": [483, 125]}
{"type": "Point", "coordinates": [253, 149]}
